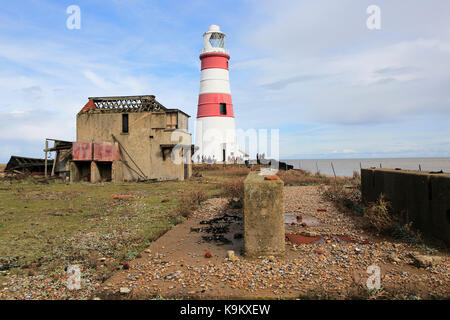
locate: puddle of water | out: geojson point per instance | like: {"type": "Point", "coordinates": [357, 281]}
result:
{"type": "Point", "coordinates": [301, 239]}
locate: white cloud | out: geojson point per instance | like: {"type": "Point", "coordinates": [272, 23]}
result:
{"type": "Point", "coordinates": [311, 68]}
{"type": "Point", "coordinates": [316, 64]}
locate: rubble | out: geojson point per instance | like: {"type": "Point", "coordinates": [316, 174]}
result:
{"type": "Point", "coordinates": [231, 256]}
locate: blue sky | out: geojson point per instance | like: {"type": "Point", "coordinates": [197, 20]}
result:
{"type": "Point", "coordinates": [312, 69]}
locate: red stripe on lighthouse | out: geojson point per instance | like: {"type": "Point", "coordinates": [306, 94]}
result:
{"type": "Point", "coordinates": [212, 60]}
{"type": "Point", "coordinates": [209, 105]}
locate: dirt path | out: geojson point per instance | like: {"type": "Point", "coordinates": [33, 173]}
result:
{"type": "Point", "coordinates": [330, 261]}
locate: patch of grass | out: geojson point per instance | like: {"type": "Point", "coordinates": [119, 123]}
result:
{"type": "Point", "coordinates": [234, 189]}
{"type": "Point", "coordinates": [346, 197]}
{"type": "Point", "coordinates": [190, 201]}
{"type": "Point", "coordinates": [218, 170]}
{"type": "Point", "coordinates": [427, 249]}
{"type": "Point", "coordinates": [406, 233]}
{"type": "Point", "coordinates": [50, 226]}
{"type": "Point", "coordinates": [304, 178]}
{"type": "Point", "coordinates": [379, 216]}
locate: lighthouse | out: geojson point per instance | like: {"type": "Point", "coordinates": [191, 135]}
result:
{"type": "Point", "coordinates": [215, 135]}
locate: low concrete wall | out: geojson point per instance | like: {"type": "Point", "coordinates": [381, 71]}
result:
{"type": "Point", "coordinates": [263, 216]}
{"type": "Point", "coordinates": [421, 197]}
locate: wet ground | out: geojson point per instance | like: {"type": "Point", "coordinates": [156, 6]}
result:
{"type": "Point", "coordinates": [328, 255]}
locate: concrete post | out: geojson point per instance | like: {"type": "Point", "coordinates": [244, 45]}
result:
{"type": "Point", "coordinates": [95, 172]}
{"type": "Point", "coordinates": [117, 171]}
{"type": "Point", "coordinates": [74, 172]}
{"type": "Point", "coordinates": [264, 232]}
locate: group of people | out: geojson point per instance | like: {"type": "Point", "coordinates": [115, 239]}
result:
{"type": "Point", "coordinates": [211, 160]}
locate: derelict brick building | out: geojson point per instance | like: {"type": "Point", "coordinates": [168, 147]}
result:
{"type": "Point", "coordinates": [129, 139]}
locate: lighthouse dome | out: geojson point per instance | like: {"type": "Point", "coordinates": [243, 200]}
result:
{"type": "Point", "coordinates": [214, 28]}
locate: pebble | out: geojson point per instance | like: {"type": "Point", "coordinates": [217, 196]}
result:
{"type": "Point", "coordinates": [124, 290]}
{"type": "Point", "coordinates": [302, 270]}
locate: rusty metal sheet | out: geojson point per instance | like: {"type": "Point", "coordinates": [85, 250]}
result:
{"type": "Point", "coordinates": [104, 151]}
{"type": "Point", "coordinates": [82, 151]}
{"type": "Point", "coordinates": [30, 164]}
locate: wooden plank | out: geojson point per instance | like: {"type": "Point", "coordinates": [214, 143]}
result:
{"type": "Point", "coordinates": [45, 163]}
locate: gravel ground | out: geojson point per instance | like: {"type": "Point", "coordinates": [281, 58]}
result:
{"type": "Point", "coordinates": [335, 267]}
{"type": "Point", "coordinates": [175, 265]}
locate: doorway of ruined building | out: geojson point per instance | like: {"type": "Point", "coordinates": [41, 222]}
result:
{"type": "Point", "coordinates": [84, 170]}
{"type": "Point", "coordinates": [105, 170]}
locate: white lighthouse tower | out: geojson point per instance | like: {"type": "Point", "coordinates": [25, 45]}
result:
{"type": "Point", "coordinates": [215, 135]}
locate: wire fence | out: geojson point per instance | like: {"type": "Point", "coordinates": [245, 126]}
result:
{"type": "Point", "coordinates": [346, 167]}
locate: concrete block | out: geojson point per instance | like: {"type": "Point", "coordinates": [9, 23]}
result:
{"type": "Point", "coordinates": [95, 172]}
{"type": "Point", "coordinates": [418, 202]}
{"type": "Point", "coordinates": [74, 172]}
{"type": "Point", "coordinates": [395, 185]}
{"type": "Point", "coordinates": [264, 232]}
{"type": "Point", "coordinates": [378, 183]}
{"type": "Point", "coordinates": [117, 171]}
{"type": "Point", "coordinates": [367, 185]}
{"type": "Point", "coordinates": [440, 206]}
{"type": "Point", "coordinates": [419, 197]}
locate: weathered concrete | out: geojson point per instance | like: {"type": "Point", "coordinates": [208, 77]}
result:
{"type": "Point", "coordinates": [264, 232]}
{"type": "Point", "coordinates": [420, 197]}
{"type": "Point", "coordinates": [117, 171]}
{"type": "Point", "coordinates": [75, 175]}
{"type": "Point", "coordinates": [80, 171]}
{"type": "Point", "coordinates": [145, 150]}
{"type": "Point", "coordinates": [95, 172]}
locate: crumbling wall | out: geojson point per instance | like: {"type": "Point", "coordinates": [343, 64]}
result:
{"type": "Point", "coordinates": [140, 149]}
{"type": "Point", "coordinates": [420, 197]}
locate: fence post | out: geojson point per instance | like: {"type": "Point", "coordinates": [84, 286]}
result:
{"type": "Point", "coordinates": [334, 172]}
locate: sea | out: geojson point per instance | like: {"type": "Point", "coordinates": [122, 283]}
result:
{"type": "Point", "coordinates": [345, 167]}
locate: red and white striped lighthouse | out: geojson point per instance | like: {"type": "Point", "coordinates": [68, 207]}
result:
{"type": "Point", "coordinates": [215, 135]}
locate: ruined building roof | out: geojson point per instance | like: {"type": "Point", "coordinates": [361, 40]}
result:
{"type": "Point", "coordinates": [125, 104]}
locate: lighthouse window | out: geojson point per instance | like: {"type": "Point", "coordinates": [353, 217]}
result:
{"type": "Point", "coordinates": [223, 108]}
{"type": "Point", "coordinates": [217, 40]}
{"type": "Point", "coordinates": [124, 123]}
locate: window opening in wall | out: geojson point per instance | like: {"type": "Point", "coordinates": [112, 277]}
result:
{"type": "Point", "coordinates": [124, 123]}
{"type": "Point", "coordinates": [223, 108]}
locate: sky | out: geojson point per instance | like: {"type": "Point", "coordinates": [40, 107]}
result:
{"type": "Point", "coordinates": [311, 68]}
